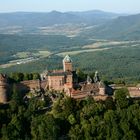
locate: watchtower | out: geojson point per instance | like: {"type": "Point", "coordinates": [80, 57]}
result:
{"type": "Point", "coordinates": [67, 63]}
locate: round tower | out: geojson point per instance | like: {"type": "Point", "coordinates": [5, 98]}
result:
{"type": "Point", "coordinates": [3, 88]}
{"type": "Point", "coordinates": [67, 63]}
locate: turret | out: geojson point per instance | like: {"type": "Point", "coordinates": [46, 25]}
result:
{"type": "Point", "coordinates": [96, 77]}
{"type": "Point", "coordinates": [89, 80]}
{"type": "Point", "coordinates": [3, 88]}
{"type": "Point", "coordinates": [67, 63]}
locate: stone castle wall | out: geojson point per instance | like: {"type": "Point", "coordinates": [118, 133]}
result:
{"type": "Point", "coordinates": [56, 82]}
{"type": "Point", "coordinates": [44, 84]}
{"type": "Point", "coordinates": [134, 92]}
{"type": "Point", "coordinates": [26, 86]}
{"type": "Point", "coordinates": [102, 91]}
{"type": "Point", "coordinates": [22, 87]}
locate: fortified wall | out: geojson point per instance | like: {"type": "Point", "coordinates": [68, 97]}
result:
{"type": "Point", "coordinates": [26, 86]}
{"type": "Point", "coordinates": [22, 87]}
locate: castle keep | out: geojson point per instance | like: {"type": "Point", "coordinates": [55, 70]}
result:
{"type": "Point", "coordinates": [61, 79]}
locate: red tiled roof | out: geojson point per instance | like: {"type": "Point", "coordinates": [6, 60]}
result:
{"type": "Point", "coordinates": [90, 87]}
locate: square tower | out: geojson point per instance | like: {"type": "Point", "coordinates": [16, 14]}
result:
{"type": "Point", "coordinates": [67, 63]}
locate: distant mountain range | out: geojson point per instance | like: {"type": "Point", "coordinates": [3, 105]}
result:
{"type": "Point", "coordinates": [122, 28]}
{"type": "Point", "coordinates": [95, 24]}
{"type": "Point", "coordinates": [30, 19]}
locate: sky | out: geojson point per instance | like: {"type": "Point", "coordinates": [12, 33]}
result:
{"type": "Point", "coordinates": [118, 6]}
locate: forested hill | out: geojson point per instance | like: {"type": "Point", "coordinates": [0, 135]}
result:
{"type": "Point", "coordinates": [54, 17]}
{"type": "Point", "coordinates": [122, 28]}
{"type": "Point", "coordinates": [69, 119]}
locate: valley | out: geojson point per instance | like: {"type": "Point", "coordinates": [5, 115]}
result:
{"type": "Point", "coordinates": [116, 60]}
{"type": "Point", "coordinates": [99, 45]}
{"type": "Point", "coordinates": [95, 40]}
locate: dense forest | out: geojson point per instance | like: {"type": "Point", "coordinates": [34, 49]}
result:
{"type": "Point", "coordinates": [66, 118]}
{"type": "Point", "coordinates": [113, 64]}
{"type": "Point", "coordinates": [12, 44]}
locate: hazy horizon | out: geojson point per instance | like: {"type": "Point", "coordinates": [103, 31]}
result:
{"type": "Point", "coordinates": [66, 11]}
{"type": "Point", "coordinates": [126, 6]}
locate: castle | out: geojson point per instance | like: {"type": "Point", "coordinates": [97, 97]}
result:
{"type": "Point", "coordinates": [59, 80]}
{"type": "Point", "coordinates": [66, 80]}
